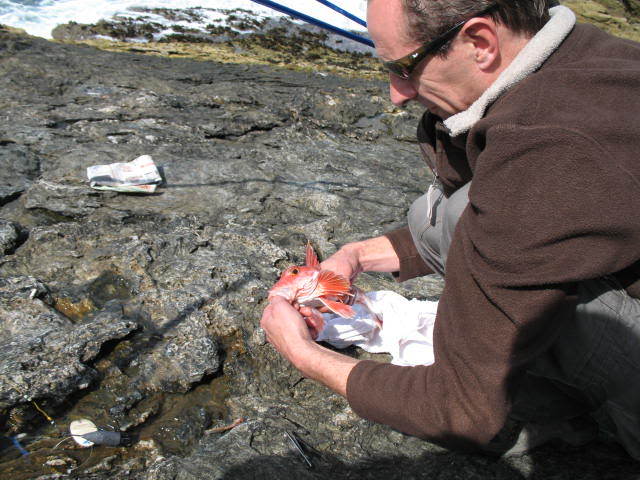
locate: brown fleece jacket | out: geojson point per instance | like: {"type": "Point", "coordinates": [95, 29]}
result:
{"type": "Point", "coordinates": [555, 200]}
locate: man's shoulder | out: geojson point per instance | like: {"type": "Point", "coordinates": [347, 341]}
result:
{"type": "Point", "coordinates": [591, 84]}
{"type": "Point", "coordinates": [590, 55]}
{"type": "Point", "coordinates": [587, 48]}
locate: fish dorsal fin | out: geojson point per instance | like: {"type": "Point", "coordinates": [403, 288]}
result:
{"type": "Point", "coordinates": [311, 258]}
{"type": "Point", "coordinates": [339, 308]}
{"type": "Point", "coordinates": [330, 283]}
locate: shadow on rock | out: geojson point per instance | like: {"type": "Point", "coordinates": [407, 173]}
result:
{"type": "Point", "coordinates": [261, 450]}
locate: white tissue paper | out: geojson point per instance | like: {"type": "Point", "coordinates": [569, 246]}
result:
{"type": "Point", "coordinates": [406, 333]}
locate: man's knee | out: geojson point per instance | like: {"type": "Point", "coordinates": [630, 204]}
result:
{"type": "Point", "coordinates": [426, 232]}
{"type": "Point", "coordinates": [417, 216]}
{"type": "Point", "coordinates": [456, 204]}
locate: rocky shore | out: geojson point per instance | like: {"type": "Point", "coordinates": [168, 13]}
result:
{"type": "Point", "coordinates": [241, 39]}
{"type": "Point", "coordinates": [141, 312]}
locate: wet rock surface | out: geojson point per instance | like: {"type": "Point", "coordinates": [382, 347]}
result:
{"type": "Point", "coordinates": [141, 312]}
{"type": "Point", "coordinates": [44, 353]}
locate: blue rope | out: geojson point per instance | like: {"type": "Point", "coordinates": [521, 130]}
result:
{"type": "Point", "coordinates": [16, 443]}
{"type": "Point", "coordinates": [314, 21]}
{"type": "Point", "coordinates": [343, 12]}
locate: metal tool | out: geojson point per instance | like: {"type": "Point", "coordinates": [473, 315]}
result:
{"type": "Point", "coordinates": [297, 443]}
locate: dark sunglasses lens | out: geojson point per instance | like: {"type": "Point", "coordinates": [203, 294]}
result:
{"type": "Point", "coordinates": [397, 69]}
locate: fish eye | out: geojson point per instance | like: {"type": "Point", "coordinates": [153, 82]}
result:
{"type": "Point", "coordinates": [294, 271]}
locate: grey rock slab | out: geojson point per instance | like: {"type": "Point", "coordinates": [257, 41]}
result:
{"type": "Point", "coordinates": [9, 236]}
{"type": "Point", "coordinates": [24, 302]}
{"type": "Point", "coordinates": [186, 352]}
{"type": "Point", "coordinates": [44, 354]}
{"type": "Point", "coordinates": [62, 198]}
{"type": "Point", "coordinates": [20, 166]}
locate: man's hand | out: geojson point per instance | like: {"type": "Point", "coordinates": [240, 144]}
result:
{"type": "Point", "coordinates": [345, 262]}
{"type": "Point", "coordinates": [289, 334]}
{"type": "Point", "coordinates": [373, 255]}
{"type": "Point", "coordinates": [286, 329]}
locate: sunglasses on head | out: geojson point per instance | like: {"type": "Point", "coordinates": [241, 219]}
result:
{"type": "Point", "coordinates": [403, 67]}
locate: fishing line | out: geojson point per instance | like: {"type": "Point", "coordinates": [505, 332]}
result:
{"type": "Point", "coordinates": [343, 12]}
{"type": "Point", "coordinates": [62, 441]}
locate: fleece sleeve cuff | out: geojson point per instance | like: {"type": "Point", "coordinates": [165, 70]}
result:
{"type": "Point", "coordinates": [411, 263]}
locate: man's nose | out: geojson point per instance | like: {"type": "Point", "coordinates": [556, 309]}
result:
{"type": "Point", "coordinates": [401, 91]}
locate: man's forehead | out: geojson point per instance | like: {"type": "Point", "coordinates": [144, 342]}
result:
{"type": "Point", "coordinates": [388, 27]}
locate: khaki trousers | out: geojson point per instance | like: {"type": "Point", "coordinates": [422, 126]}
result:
{"type": "Point", "coordinates": [593, 368]}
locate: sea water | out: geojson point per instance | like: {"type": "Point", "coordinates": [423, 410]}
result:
{"type": "Point", "coordinates": [39, 17]}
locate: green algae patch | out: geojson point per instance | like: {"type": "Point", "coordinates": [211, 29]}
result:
{"type": "Point", "coordinates": [74, 310]}
{"type": "Point", "coordinates": [315, 59]}
{"type": "Point", "coordinates": [106, 287]}
{"type": "Point", "coordinates": [609, 15]}
{"type": "Point", "coordinates": [16, 31]}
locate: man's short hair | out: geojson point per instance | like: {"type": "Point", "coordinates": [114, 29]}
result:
{"type": "Point", "coordinates": [426, 19]}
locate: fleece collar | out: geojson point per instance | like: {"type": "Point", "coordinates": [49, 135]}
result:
{"type": "Point", "coordinates": [530, 58]}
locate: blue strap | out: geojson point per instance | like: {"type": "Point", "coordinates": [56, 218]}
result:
{"type": "Point", "coordinates": [21, 449]}
{"type": "Point", "coordinates": [314, 21]}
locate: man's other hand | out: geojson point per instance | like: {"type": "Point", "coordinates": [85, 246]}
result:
{"type": "Point", "coordinates": [286, 329]}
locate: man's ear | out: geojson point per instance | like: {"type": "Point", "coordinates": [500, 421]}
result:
{"type": "Point", "coordinates": [481, 36]}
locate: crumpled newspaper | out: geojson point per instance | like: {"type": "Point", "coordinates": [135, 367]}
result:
{"type": "Point", "coordinates": [138, 176]}
{"type": "Point", "coordinates": [406, 333]}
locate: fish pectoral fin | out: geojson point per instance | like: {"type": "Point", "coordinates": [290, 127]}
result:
{"type": "Point", "coordinates": [339, 308]}
{"type": "Point", "coordinates": [330, 283]}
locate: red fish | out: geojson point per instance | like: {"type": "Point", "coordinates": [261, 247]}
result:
{"type": "Point", "coordinates": [310, 286]}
